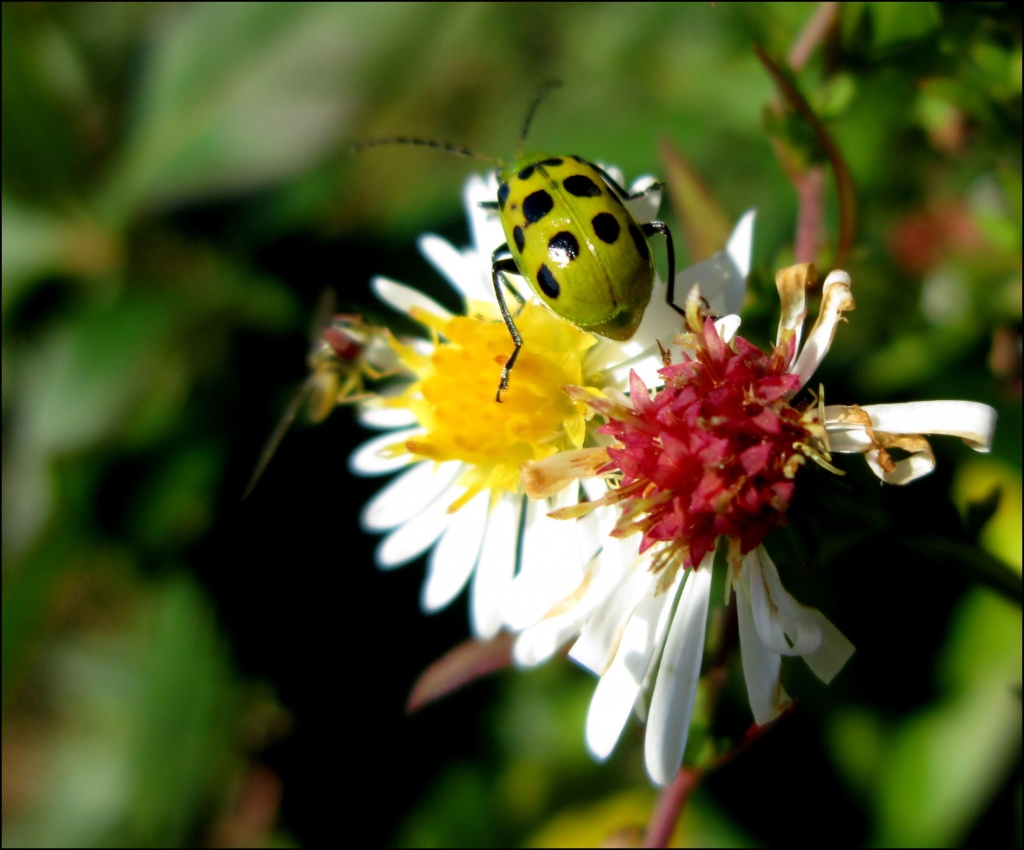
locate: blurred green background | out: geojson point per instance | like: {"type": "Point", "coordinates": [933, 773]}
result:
{"type": "Point", "coordinates": [181, 667]}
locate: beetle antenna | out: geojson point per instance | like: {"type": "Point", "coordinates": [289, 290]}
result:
{"type": "Point", "coordinates": [458, 150]}
{"type": "Point", "coordinates": [544, 91]}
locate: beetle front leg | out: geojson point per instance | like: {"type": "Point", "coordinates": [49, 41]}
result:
{"type": "Point", "coordinates": [498, 270]}
{"type": "Point", "coordinates": [649, 230]}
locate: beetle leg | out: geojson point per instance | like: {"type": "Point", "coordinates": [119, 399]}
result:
{"type": "Point", "coordinates": [499, 268]}
{"type": "Point", "coordinates": [622, 193]}
{"type": "Point", "coordinates": [650, 229]}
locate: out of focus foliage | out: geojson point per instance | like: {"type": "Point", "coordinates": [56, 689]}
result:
{"type": "Point", "coordinates": [180, 667]}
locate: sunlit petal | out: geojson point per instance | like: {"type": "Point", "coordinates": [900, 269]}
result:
{"type": "Point", "coordinates": [408, 494]}
{"type": "Point", "coordinates": [371, 457]}
{"type": "Point", "coordinates": [761, 665]}
{"type": "Point", "coordinates": [405, 298]}
{"type": "Point", "coordinates": [668, 724]}
{"type": "Point", "coordinates": [496, 568]}
{"type": "Point", "coordinates": [455, 555]}
{"type": "Point", "coordinates": [620, 685]}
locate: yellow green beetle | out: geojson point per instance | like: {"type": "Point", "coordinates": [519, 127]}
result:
{"type": "Point", "coordinates": [571, 237]}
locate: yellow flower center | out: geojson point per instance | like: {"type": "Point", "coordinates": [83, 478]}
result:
{"type": "Point", "coordinates": [454, 397]}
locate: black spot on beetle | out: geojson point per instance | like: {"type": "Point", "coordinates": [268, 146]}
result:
{"type": "Point", "coordinates": [537, 205]}
{"type": "Point", "coordinates": [526, 173]}
{"type": "Point", "coordinates": [503, 191]}
{"type": "Point", "coordinates": [581, 186]}
{"type": "Point", "coordinates": [639, 241]}
{"type": "Point", "coordinates": [563, 248]}
{"type": "Point", "coordinates": [518, 238]}
{"type": "Point", "coordinates": [606, 226]}
{"type": "Point", "coordinates": [548, 285]}
{"type": "Point", "coordinates": [552, 163]}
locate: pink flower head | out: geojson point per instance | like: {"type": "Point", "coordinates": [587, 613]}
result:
{"type": "Point", "coordinates": [713, 453]}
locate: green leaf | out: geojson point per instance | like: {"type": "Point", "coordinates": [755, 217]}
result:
{"type": "Point", "coordinates": [237, 96]}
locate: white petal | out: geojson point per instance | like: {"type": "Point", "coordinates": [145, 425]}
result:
{"type": "Point", "coordinates": [644, 208]}
{"type": "Point", "coordinates": [404, 298]}
{"type": "Point", "coordinates": [368, 460]}
{"type": "Point", "coordinates": [740, 248]}
{"type": "Point", "coordinates": [465, 272]}
{"type": "Point", "coordinates": [620, 685]}
{"type": "Point", "coordinates": [906, 470]}
{"type": "Point", "coordinates": [484, 224]}
{"type": "Point", "coordinates": [550, 566]}
{"type": "Point", "coordinates": [599, 641]}
{"type": "Point", "coordinates": [833, 651]}
{"type": "Point", "coordinates": [722, 278]}
{"type": "Point", "coordinates": [410, 493]}
{"type": "Point", "coordinates": [971, 421]}
{"type": "Point", "coordinates": [456, 554]}
{"type": "Point", "coordinates": [615, 359]}
{"type": "Point", "coordinates": [566, 619]}
{"type": "Point", "coordinates": [383, 418]}
{"type": "Point", "coordinates": [761, 665]}
{"type": "Point", "coordinates": [825, 649]}
{"type": "Point", "coordinates": [727, 326]}
{"type": "Point", "coordinates": [835, 298]}
{"type": "Point", "coordinates": [776, 614]}
{"type": "Point", "coordinates": [413, 538]}
{"type": "Point", "coordinates": [496, 568]}
{"type": "Point", "coordinates": [675, 689]}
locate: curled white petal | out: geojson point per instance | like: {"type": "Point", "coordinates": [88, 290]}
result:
{"type": "Point", "coordinates": [835, 299]}
{"type": "Point", "coordinates": [782, 623]}
{"type": "Point", "coordinates": [761, 665]}
{"type": "Point", "coordinates": [675, 689]}
{"type": "Point", "coordinates": [903, 471]}
{"type": "Point", "coordinates": [824, 648]}
{"type": "Point", "coordinates": [971, 421]}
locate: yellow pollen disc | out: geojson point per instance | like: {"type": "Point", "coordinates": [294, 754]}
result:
{"type": "Point", "coordinates": [453, 400]}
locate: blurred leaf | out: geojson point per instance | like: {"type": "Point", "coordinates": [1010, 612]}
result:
{"type": "Point", "coordinates": [896, 23]}
{"type": "Point", "coordinates": [705, 224]}
{"type": "Point", "coordinates": [984, 648]}
{"type": "Point", "coordinates": [616, 821]}
{"type": "Point", "coordinates": [86, 373]}
{"type": "Point", "coordinates": [176, 504]}
{"type": "Point", "coordinates": [943, 766]}
{"type": "Point", "coordinates": [459, 667]}
{"type": "Point", "coordinates": [38, 243]}
{"type": "Point", "coordinates": [147, 744]}
{"type": "Point", "coordinates": [235, 97]}
{"type": "Point", "coordinates": [185, 704]}
{"type": "Point", "coordinates": [976, 480]}
{"type": "Point", "coordinates": [42, 150]}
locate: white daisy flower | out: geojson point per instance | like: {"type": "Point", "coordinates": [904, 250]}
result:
{"type": "Point", "coordinates": [457, 453]}
{"type": "Point", "coordinates": [710, 458]}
